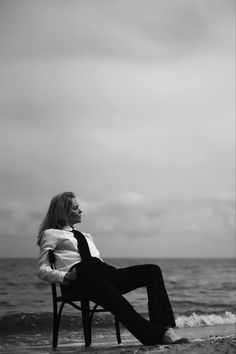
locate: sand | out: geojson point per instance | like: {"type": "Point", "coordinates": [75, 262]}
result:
{"type": "Point", "coordinates": [206, 340]}
{"type": "Point", "coordinates": [211, 346]}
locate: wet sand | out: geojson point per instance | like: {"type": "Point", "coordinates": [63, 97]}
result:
{"type": "Point", "coordinates": [210, 340]}
{"type": "Point", "coordinates": [210, 346]}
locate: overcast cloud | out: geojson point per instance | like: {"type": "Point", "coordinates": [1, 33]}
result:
{"type": "Point", "coordinates": [131, 105]}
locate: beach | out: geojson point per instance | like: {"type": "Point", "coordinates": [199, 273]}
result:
{"type": "Point", "coordinates": [72, 343]}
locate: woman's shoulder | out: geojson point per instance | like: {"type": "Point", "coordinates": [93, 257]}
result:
{"type": "Point", "coordinates": [61, 233]}
{"type": "Point", "coordinates": [51, 237]}
{"type": "Point", "coordinates": [54, 232]}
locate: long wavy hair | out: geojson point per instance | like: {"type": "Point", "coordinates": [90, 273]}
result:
{"type": "Point", "coordinates": [58, 211]}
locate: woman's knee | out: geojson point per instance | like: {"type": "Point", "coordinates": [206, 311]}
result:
{"type": "Point", "coordinates": [154, 270]}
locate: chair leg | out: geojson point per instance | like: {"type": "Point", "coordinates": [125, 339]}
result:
{"type": "Point", "coordinates": [55, 330]}
{"type": "Point", "coordinates": [86, 322]}
{"type": "Point", "coordinates": [117, 324]}
{"type": "Point", "coordinates": [56, 323]}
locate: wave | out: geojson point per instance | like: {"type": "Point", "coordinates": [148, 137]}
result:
{"type": "Point", "coordinates": [39, 322]}
{"type": "Point", "coordinates": [196, 320]}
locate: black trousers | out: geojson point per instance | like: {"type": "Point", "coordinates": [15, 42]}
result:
{"type": "Point", "coordinates": [105, 284]}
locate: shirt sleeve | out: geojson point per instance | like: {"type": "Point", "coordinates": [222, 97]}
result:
{"type": "Point", "coordinates": [45, 272]}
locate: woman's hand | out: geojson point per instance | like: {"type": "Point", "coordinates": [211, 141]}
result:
{"type": "Point", "coordinates": [69, 276]}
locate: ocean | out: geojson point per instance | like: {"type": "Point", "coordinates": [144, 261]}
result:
{"type": "Point", "coordinates": [202, 293]}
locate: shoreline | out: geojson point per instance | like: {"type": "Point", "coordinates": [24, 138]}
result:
{"type": "Point", "coordinates": [209, 339]}
{"type": "Point", "coordinates": [210, 346]}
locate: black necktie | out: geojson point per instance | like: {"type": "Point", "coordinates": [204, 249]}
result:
{"type": "Point", "coordinates": [82, 245]}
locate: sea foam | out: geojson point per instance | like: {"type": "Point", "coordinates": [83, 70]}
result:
{"type": "Point", "coordinates": [195, 320]}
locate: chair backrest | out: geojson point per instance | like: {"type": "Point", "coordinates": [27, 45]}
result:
{"type": "Point", "coordinates": [52, 259]}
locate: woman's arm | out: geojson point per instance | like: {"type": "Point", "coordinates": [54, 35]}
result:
{"type": "Point", "coordinates": [69, 276]}
{"type": "Point", "coordinates": [45, 272]}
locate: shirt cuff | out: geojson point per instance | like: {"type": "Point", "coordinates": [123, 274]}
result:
{"type": "Point", "coordinates": [61, 276]}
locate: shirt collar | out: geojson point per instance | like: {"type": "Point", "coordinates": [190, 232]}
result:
{"type": "Point", "coordinates": [67, 228]}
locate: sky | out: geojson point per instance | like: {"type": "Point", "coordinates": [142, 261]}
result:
{"type": "Point", "coordinates": [130, 104]}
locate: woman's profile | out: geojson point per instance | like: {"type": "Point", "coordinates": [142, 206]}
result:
{"type": "Point", "coordinates": [80, 269]}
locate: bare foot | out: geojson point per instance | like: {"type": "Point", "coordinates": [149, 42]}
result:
{"type": "Point", "coordinates": [170, 337]}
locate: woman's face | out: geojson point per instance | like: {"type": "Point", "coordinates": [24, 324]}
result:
{"type": "Point", "coordinates": [74, 216]}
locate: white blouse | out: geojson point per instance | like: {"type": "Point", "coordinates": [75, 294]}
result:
{"type": "Point", "coordinates": [66, 251]}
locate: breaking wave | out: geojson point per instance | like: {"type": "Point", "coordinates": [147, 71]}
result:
{"type": "Point", "coordinates": [195, 320]}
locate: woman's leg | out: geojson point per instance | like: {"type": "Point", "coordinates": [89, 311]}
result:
{"type": "Point", "coordinates": [149, 275]}
{"type": "Point", "coordinates": [101, 291]}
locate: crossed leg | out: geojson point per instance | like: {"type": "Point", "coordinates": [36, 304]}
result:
{"type": "Point", "coordinates": [149, 276]}
{"type": "Point", "coordinates": [106, 289]}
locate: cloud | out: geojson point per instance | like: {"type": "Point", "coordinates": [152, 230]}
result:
{"type": "Point", "coordinates": [132, 225]}
{"type": "Point", "coordinates": [158, 30]}
{"type": "Point", "coordinates": [17, 221]}
{"type": "Point", "coordinates": [125, 215]}
{"type": "Point", "coordinates": [162, 129]}
{"type": "Point", "coordinates": [132, 216]}
{"type": "Point", "coordinates": [106, 97]}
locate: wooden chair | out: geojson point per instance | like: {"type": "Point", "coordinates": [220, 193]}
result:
{"type": "Point", "coordinates": [87, 310]}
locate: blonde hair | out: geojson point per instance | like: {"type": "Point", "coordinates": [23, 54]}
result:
{"type": "Point", "coordinates": [58, 211]}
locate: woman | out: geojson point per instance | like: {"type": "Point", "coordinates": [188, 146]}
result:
{"type": "Point", "coordinates": [80, 269]}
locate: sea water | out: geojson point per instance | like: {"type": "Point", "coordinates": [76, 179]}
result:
{"type": "Point", "coordinates": [202, 293]}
